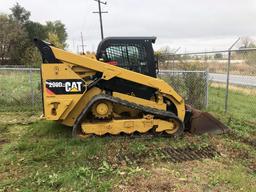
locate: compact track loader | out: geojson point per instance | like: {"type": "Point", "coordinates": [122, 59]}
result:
{"type": "Point", "coordinates": [116, 92]}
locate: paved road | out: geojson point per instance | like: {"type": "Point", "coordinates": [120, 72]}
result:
{"type": "Point", "coordinates": [234, 79]}
{"type": "Point", "coordinates": [245, 80]}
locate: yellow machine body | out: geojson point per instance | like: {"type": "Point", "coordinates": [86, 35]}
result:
{"type": "Point", "coordinates": [73, 97]}
{"type": "Point", "coordinates": [65, 108]}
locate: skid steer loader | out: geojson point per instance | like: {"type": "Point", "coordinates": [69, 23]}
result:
{"type": "Point", "coordinates": [116, 92]}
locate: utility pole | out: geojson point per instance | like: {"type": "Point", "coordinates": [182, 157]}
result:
{"type": "Point", "coordinates": [74, 47]}
{"type": "Point", "coordinates": [100, 15]}
{"type": "Point", "coordinates": [77, 49]}
{"type": "Point", "coordinates": [173, 58]}
{"type": "Point", "coordinates": [82, 39]}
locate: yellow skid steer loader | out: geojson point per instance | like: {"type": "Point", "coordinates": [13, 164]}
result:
{"type": "Point", "coordinates": [116, 92]}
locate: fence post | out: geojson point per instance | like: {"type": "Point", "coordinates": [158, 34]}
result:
{"type": "Point", "coordinates": [206, 87]}
{"type": "Point", "coordinates": [32, 90]}
{"type": "Point", "coordinates": [227, 83]}
{"type": "Point", "coordinates": [173, 62]}
{"type": "Point", "coordinates": [228, 68]}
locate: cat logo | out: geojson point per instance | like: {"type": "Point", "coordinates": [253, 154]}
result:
{"type": "Point", "coordinates": [67, 86]}
{"type": "Point", "coordinates": [73, 86]}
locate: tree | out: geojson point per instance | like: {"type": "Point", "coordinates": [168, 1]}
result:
{"type": "Point", "coordinates": [164, 54]}
{"type": "Point", "coordinates": [31, 57]}
{"type": "Point", "coordinates": [248, 56]}
{"type": "Point", "coordinates": [19, 14]}
{"type": "Point", "coordinates": [58, 29]}
{"type": "Point", "coordinates": [54, 39]}
{"type": "Point", "coordinates": [17, 32]}
{"type": "Point", "coordinates": [247, 42]}
{"type": "Point", "coordinates": [12, 41]}
{"type": "Point", "coordinates": [218, 56]}
{"type": "Point", "coordinates": [36, 30]}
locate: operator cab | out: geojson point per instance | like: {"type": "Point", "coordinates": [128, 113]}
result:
{"type": "Point", "coordinates": [132, 53]}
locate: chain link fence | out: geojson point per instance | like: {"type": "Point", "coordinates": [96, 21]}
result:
{"type": "Point", "coordinates": [240, 86]}
{"type": "Point", "coordinates": [191, 85]}
{"type": "Point", "coordinates": [20, 89]}
{"type": "Point", "coordinates": [215, 81]}
{"type": "Point", "coordinates": [231, 79]}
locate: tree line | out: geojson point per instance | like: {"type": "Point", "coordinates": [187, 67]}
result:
{"type": "Point", "coordinates": [17, 32]}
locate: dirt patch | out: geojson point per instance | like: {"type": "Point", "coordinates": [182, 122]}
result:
{"type": "Point", "coordinates": [245, 156]}
{"type": "Point", "coordinates": [3, 141]}
{"type": "Point", "coordinates": [237, 148]}
{"type": "Point", "coordinates": [17, 118]}
{"type": "Point", "coordinates": [249, 141]}
{"type": "Point", "coordinates": [160, 180]}
{"type": "Point", "coordinates": [190, 176]}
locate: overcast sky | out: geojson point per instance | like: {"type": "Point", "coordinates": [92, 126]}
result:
{"type": "Point", "coordinates": [196, 25]}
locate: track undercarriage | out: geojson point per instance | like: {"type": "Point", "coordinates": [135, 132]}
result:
{"type": "Point", "coordinates": [113, 115]}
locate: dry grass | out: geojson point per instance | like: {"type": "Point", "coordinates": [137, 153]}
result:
{"type": "Point", "coordinates": [213, 67]}
{"type": "Point", "coordinates": [240, 89]}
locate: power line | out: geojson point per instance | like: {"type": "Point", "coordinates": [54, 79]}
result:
{"type": "Point", "coordinates": [100, 15]}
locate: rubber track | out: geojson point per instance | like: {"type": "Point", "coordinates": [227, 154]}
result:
{"type": "Point", "coordinates": [172, 154]}
{"type": "Point", "coordinates": [148, 110]}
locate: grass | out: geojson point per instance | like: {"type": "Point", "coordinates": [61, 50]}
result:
{"type": "Point", "coordinates": [45, 157]}
{"type": "Point", "coordinates": [16, 91]}
{"type": "Point", "coordinates": [241, 108]}
{"type": "Point", "coordinates": [239, 104]}
{"type": "Point", "coordinates": [234, 179]}
{"type": "Point", "coordinates": [42, 156]}
{"type": "Point", "coordinates": [37, 155]}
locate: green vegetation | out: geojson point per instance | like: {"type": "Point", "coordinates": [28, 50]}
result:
{"type": "Point", "coordinates": [241, 108]}
{"type": "Point", "coordinates": [16, 91]}
{"type": "Point", "coordinates": [38, 155]}
{"type": "Point", "coordinates": [17, 34]}
{"type": "Point", "coordinates": [192, 87]}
